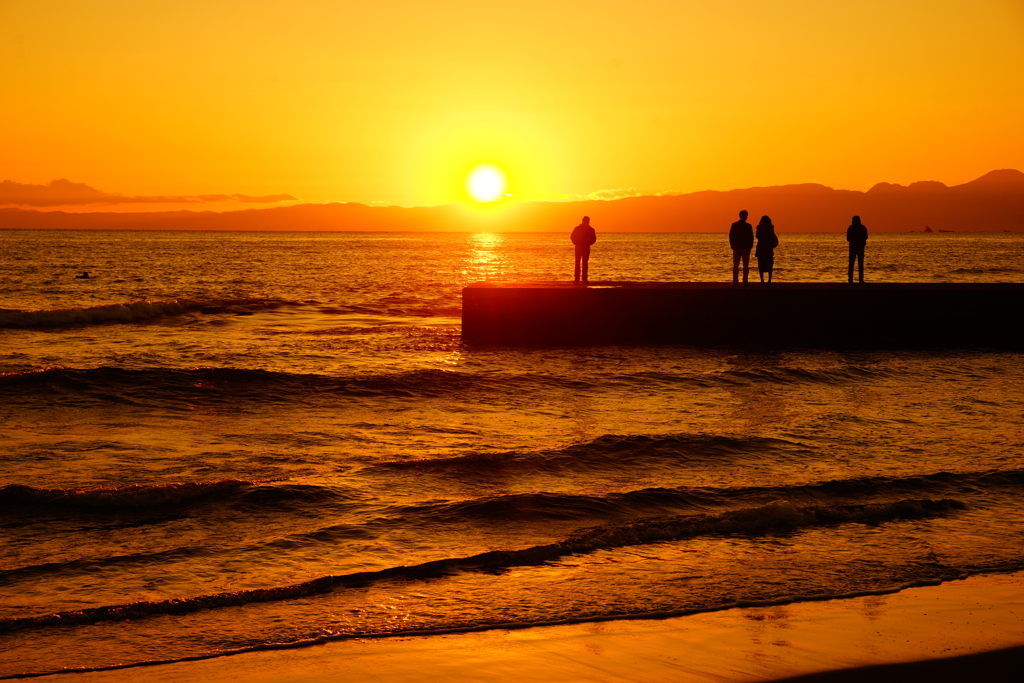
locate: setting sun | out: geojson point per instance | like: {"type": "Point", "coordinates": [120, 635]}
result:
{"type": "Point", "coordinates": [486, 183]}
{"type": "Point", "coordinates": [678, 334]}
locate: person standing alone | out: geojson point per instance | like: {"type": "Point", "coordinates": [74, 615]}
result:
{"type": "Point", "coordinates": [857, 236]}
{"type": "Point", "coordinates": [741, 239]}
{"type": "Point", "coordinates": [583, 235]}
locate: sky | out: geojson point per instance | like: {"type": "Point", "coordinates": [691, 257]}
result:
{"type": "Point", "coordinates": [225, 104]}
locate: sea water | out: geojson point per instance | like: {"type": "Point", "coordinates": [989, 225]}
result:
{"type": "Point", "coordinates": [221, 441]}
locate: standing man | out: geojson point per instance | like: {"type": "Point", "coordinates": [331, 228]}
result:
{"type": "Point", "coordinates": [741, 239]}
{"type": "Point", "coordinates": [582, 236]}
{"type": "Point", "coordinates": [857, 236]}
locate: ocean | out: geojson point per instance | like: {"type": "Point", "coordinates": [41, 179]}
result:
{"type": "Point", "coordinates": [224, 441]}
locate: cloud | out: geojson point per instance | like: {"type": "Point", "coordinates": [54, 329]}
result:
{"type": "Point", "coordinates": [609, 195]}
{"type": "Point", "coordinates": [596, 195]}
{"type": "Point", "coordinates": [63, 192]}
{"type": "Point", "coordinates": [267, 199]}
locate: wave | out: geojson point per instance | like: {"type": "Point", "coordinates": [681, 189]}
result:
{"type": "Point", "coordinates": [608, 450]}
{"type": "Point", "coordinates": [775, 517]}
{"type": "Point", "coordinates": [117, 498]}
{"type": "Point", "coordinates": [139, 610]}
{"type": "Point", "coordinates": [401, 328]}
{"type": "Point", "coordinates": [566, 506]}
{"type": "Point", "coordinates": [523, 508]}
{"type": "Point", "coordinates": [402, 306]}
{"type": "Point", "coordinates": [777, 375]}
{"type": "Point", "coordinates": [91, 564]}
{"type": "Point", "coordinates": [129, 312]}
{"type": "Point", "coordinates": [255, 494]}
{"type": "Point", "coordinates": [984, 271]}
{"type": "Point", "coordinates": [263, 496]}
{"type": "Point", "coordinates": [211, 383]}
{"type": "Point", "coordinates": [784, 375]}
{"type": "Point", "coordinates": [322, 639]}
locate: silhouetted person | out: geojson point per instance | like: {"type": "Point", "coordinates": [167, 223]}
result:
{"type": "Point", "coordinates": [741, 239]}
{"type": "Point", "coordinates": [582, 236]}
{"type": "Point", "coordinates": [857, 236]}
{"type": "Point", "coordinates": [767, 240]}
{"type": "Point", "coordinates": [83, 276]}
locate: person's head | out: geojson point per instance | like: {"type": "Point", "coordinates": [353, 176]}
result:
{"type": "Point", "coordinates": [586, 220]}
{"type": "Point", "coordinates": [743, 215]}
{"type": "Point", "coordinates": [856, 220]}
{"type": "Point", "coordinates": [765, 222]}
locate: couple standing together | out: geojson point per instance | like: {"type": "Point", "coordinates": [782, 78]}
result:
{"type": "Point", "coordinates": [741, 239]}
{"type": "Point", "coordinates": [742, 236]}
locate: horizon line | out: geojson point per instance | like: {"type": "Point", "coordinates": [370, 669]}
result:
{"type": "Point", "coordinates": [379, 204]}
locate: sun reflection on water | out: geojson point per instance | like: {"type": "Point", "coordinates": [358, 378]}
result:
{"type": "Point", "coordinates": [486, 255]}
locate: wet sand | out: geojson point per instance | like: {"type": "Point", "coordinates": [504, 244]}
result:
{"type": "Point", "coordinates": [930, 633]}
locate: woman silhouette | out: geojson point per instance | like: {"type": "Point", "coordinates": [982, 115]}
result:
{"type": "Point", "coordinates": [767, 240]}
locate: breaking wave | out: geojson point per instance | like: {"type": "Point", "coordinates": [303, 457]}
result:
{"type": "Point", "coordinates": [128, 312]}
{"type": "Point", "coordinates": [265, 495]}
{"type": "Point", "coordinates": [775, 517]}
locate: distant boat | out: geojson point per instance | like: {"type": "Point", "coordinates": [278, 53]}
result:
{"type": "Point", "coordinates": [927, 229]}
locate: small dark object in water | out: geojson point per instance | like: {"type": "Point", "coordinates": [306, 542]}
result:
{"type": "Point", "coordinates": [84, 276]}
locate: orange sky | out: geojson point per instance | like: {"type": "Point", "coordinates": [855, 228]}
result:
{"type": "Point", "coordinates": [395, 101]}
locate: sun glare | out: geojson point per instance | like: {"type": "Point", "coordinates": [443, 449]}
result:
{"type": "Point", "coordinates": [486, 183]}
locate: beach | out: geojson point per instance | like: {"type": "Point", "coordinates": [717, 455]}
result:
{"type": "Point", "coordinates": [933, 632]}
{"type": "Point", "coordinates": [241, 442]}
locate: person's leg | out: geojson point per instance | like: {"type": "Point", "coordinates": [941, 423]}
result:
{"type": "Point", "coordinates": [735, 267]}
{"type": "Point", "coordinates": [586, 263]}
{"type": "Point", "coordinates": [746, 265]}
{"type": "Point", "coordinates": [849, 271]}
{"type": "Point", "coordinates": [761, 266]}
{"type": "Point", "coordinates": [576, 270]}
{"type": "Point", "coordinates": [860, 263]}
{"type": "Point", "coordinates": [770, 266]}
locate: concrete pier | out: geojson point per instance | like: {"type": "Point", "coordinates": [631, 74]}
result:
{"type": "Point", "coordinates": [793, 314]}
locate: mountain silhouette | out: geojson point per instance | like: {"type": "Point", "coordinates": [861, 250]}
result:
{"type": "Point", "coordinates": [993, 202]}
{"type": "Point", "coordinates": [1005, 179]}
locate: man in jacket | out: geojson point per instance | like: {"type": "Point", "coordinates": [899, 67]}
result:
{"type": "Point", "coordinates": [582, 236]}
{"type": "Point", "coordinates": [741, 239]}
{"type": "Point", "coordinates": [857, 236]}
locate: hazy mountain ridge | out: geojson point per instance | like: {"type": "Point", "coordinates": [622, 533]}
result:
{"type": "Point", "coordinates": [993, 202]}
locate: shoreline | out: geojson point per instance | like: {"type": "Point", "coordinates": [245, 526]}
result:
{"type": "Point", "coordinates": [828, 640]}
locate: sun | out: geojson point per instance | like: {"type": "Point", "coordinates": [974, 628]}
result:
{"type": "Point", "coordinates": [486, 183]}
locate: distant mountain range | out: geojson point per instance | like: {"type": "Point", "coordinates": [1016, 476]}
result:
{"type": "Point", "coordinates": [992, 203]}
